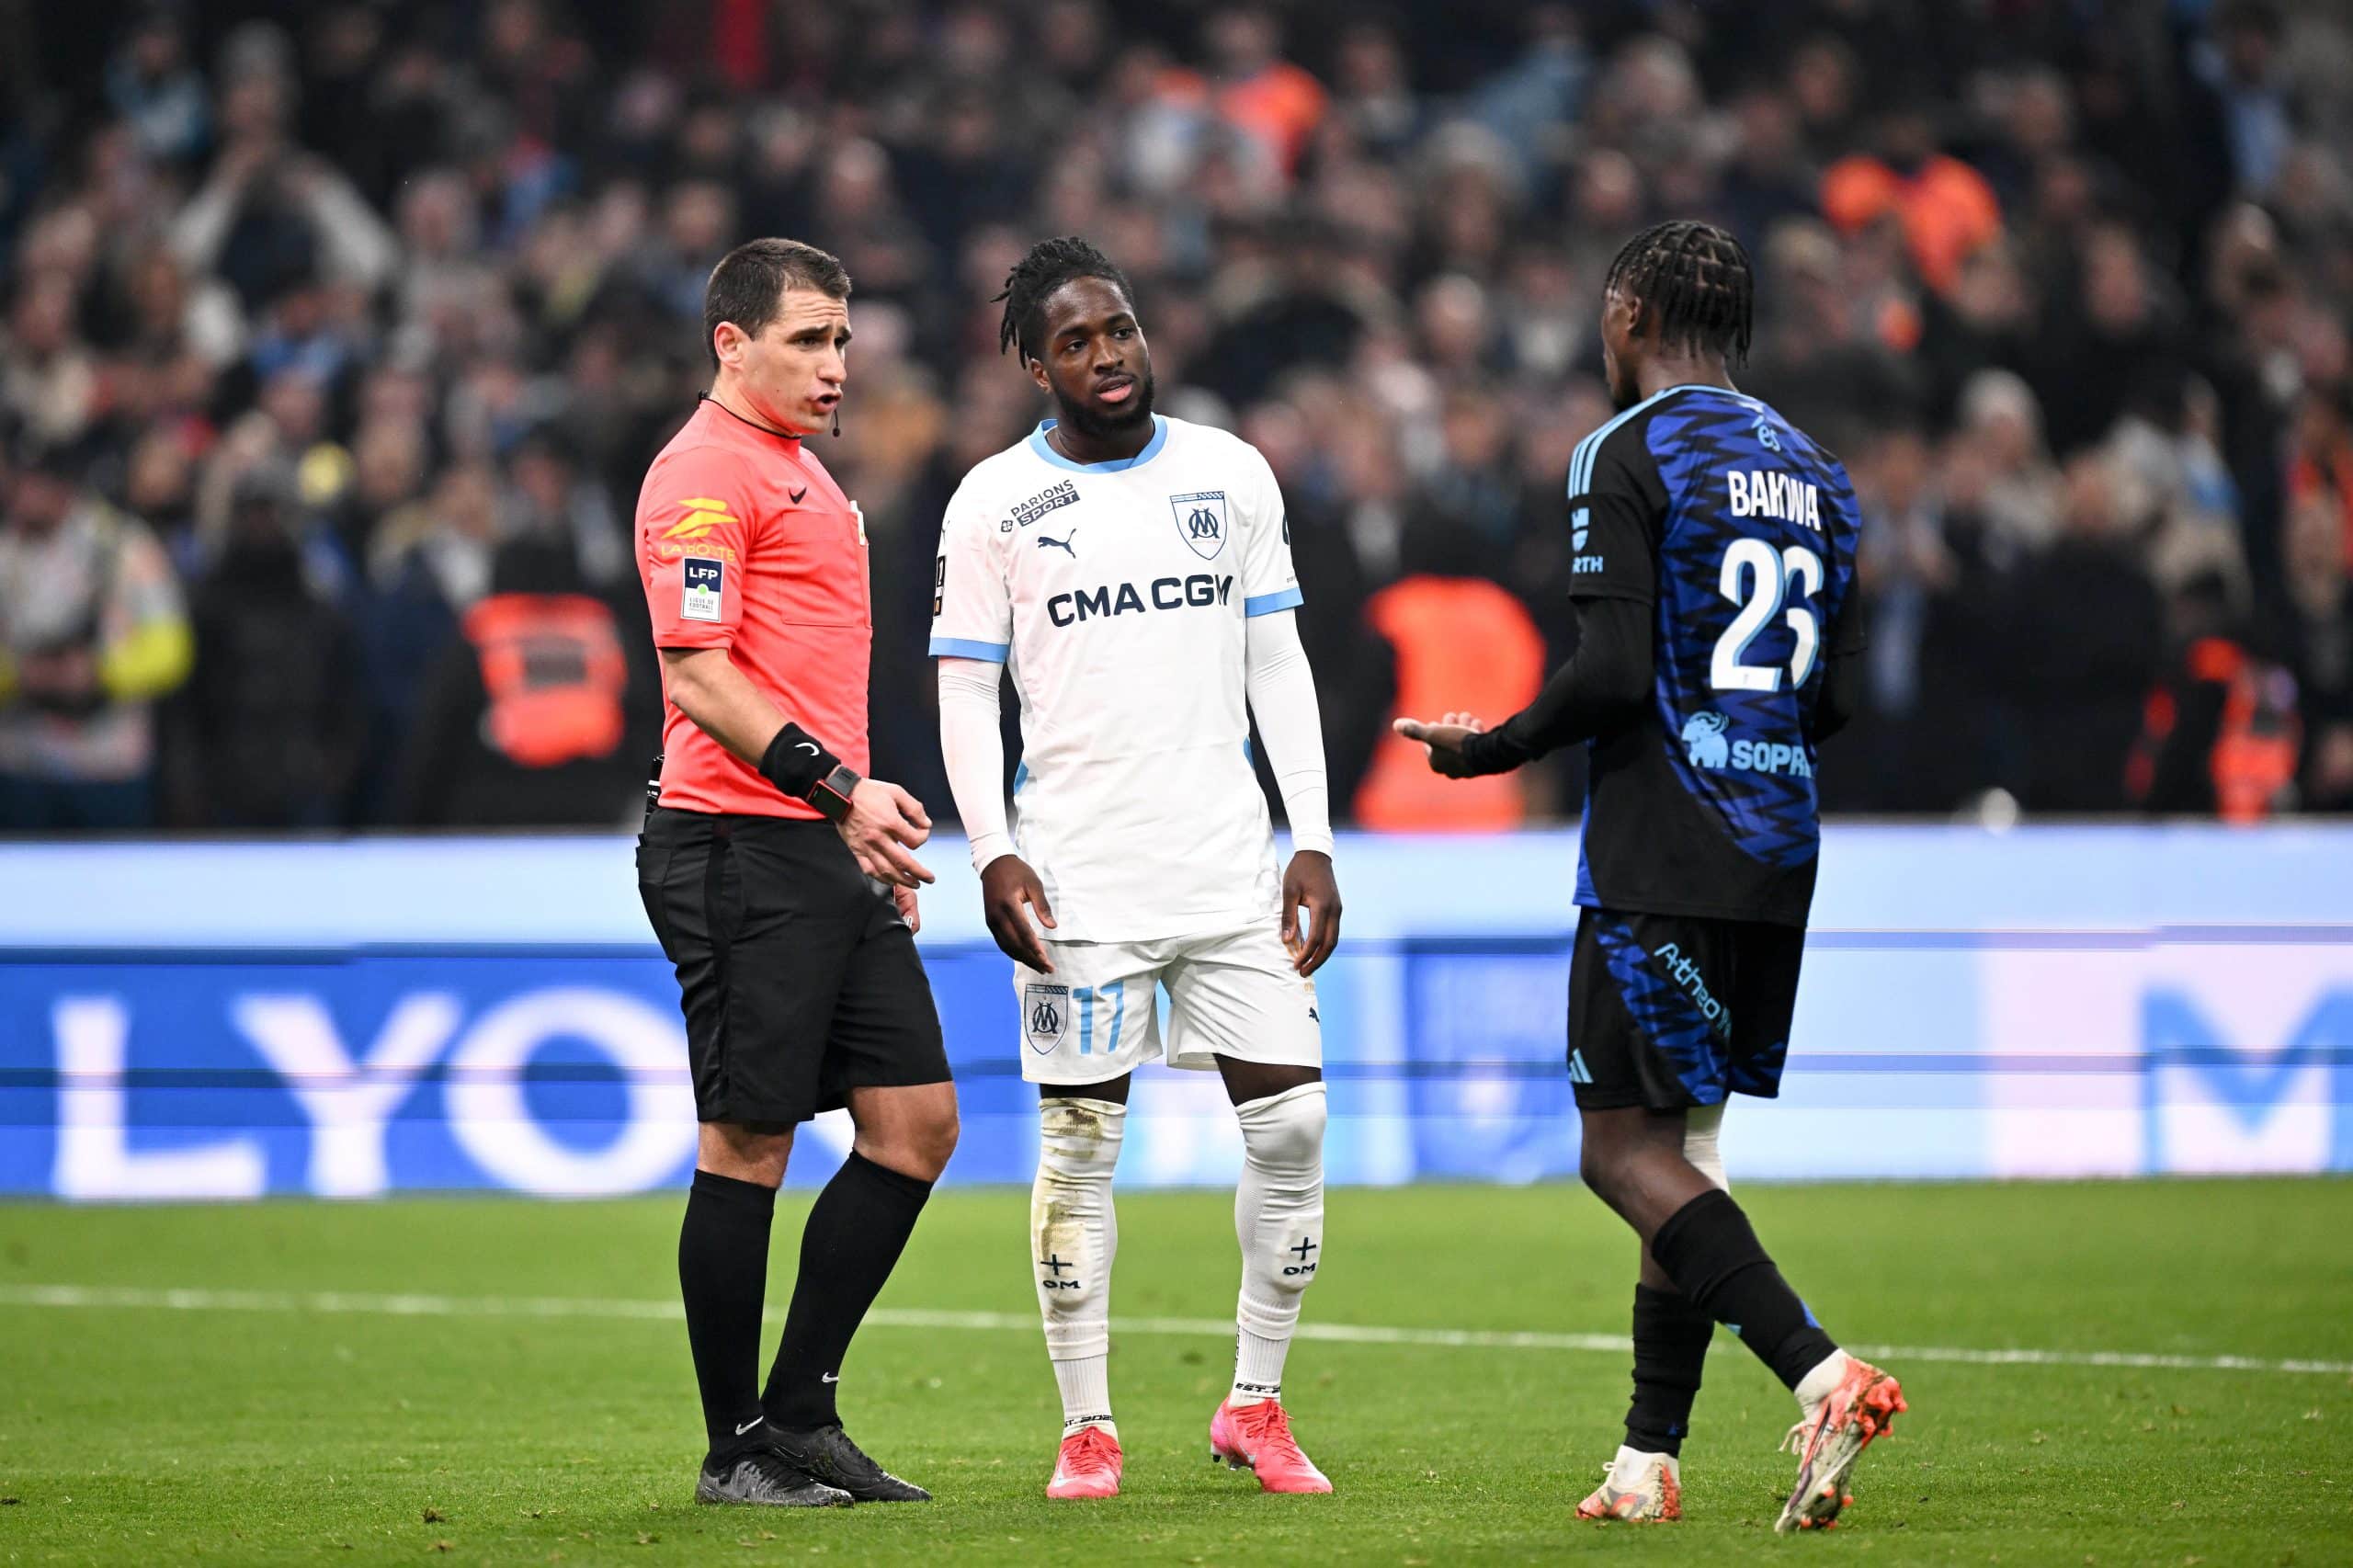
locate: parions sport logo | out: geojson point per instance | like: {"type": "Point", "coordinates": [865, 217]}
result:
{"type": "Point", "coordinates": [1705, 744]}
{"type": "Point", "coordinates": [1038, 506]}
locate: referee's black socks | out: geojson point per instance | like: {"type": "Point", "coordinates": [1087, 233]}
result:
{"type": "Point", "coordinates": [857, 1229]}
{"type": "Point", "coordinates": [724, 1274]}
{"type": "Point", "coordinates": [1711, 1251]}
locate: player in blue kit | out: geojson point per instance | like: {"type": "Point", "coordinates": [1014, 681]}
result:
{"type": "Point", "coordinates": [1718, 643]}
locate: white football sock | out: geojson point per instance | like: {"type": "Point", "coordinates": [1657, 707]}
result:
{"type": "Point", "coordinates": [1073, 1234]}
{"type": "Point", "coordinates": [1626, 1470]}
{"type": "Point", "coordinates": [1085, 1385]}
{"type": "Point", "coordinates": [1279, 1219]}
{"type": "Point", "coordinates": [1703, 1126]}
{"type": "Point", "coordinates": [1822, 1382]}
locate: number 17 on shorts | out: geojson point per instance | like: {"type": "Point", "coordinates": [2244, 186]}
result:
{"type": "Point", "coordinates": [1086, 1022]}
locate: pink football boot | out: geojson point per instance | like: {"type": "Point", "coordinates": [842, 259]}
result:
{"type": "Point", "coordinates": [1257, 1437]}
{"type": "Point", "coordinates": [1088, 1465]}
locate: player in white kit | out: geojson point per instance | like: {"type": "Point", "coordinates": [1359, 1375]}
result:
{"type": "Point", "coordinates": [1133, 573]}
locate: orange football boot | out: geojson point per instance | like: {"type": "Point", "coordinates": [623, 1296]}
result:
{"type": "Point", "coordinates": [1828, 1443]}
{"type": "Point", "coordinates": [1638, 1487]}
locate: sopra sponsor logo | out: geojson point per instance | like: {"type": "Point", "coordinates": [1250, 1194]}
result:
{"type": "Point", "coordinates": [1706, 746]}
{"type": "Point", "coordinates": [1771, 756]}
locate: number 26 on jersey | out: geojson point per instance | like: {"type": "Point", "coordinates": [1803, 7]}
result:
{"type": "Point", "coordinates": [1762, 583]}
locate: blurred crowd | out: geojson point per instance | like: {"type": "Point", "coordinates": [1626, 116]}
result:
{"type": "Point", "coordinates": [337, 335]}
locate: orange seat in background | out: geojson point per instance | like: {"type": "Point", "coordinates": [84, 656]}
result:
{"type": "Point", "coordinates": [1462, 644]}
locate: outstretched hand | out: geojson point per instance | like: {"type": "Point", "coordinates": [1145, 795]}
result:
{"type": "Point", "coordinates": [1443, 738]}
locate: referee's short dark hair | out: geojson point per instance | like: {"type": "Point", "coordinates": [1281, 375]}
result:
{"type": "Point", "coordinates": [748, 286]}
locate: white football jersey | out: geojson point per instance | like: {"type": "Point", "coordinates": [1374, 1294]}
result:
{"type": "Point", "coordinates": [1117, 593]}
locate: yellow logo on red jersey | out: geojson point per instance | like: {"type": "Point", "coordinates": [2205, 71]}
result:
{"type": "Point", "coordinates": [703, 514]}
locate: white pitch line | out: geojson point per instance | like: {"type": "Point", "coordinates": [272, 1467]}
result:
{"type": "Point", "coordinates": [415, 1305]}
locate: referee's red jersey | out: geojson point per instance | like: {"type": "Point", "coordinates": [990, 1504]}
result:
{"type": "Point", "coordinates": [745, 542]}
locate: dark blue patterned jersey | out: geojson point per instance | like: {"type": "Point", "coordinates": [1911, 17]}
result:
{"type": "Point", "coordinates": [1741, 531]}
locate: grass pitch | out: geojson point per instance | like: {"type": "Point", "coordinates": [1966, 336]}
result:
{"type": "Point", "coordinates": [286, 1411]}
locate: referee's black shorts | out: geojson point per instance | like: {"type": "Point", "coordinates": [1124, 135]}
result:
{"type": "Point", "coordinates": [799, 981]}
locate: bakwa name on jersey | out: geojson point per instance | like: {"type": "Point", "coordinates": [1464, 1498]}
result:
{"type": "Point", "coordinates": [1769, 493]}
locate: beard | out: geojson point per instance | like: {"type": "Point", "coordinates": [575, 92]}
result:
{"type": "Point", "coordinates": [1102, 428]}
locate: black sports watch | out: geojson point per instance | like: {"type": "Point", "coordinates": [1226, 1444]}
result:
{"type": "Point", "coordinates": [831, 794]}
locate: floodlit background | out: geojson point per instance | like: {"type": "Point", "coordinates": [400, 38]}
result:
{"type": "Point", "coordinates": [337, 336]}
{"type": "Point", "coordinates": [334, 338]}
{"type": "Point", "coordinates": [364, 313]}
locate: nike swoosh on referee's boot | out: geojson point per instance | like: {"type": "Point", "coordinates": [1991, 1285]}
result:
{"type": "Point", "coordinates": [798, 493]}
{"type": "Point", "coordinates": [749, 1424]}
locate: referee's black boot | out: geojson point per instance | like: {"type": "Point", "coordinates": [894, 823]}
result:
{"type": "Point", "coordinates": [758, 1473]}
{"type": "Point", "coordinates": [827, 1453]}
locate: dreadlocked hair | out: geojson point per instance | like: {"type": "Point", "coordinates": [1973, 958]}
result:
{"type": "Point", "coordinates": [1048, 265]}
{"type": "Point", "coordinates": [1696, 278]}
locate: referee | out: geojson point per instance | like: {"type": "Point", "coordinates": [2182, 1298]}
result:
{"type": "Point", "coordinates": [758, 868]}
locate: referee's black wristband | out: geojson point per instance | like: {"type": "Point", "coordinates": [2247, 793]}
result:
{"type": "Point", "coordinates": [795, 762]}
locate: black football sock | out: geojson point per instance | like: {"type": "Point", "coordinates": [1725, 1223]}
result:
{"type": "Point", "coordinates": [724, 1274]}
{"type": "Point", "coordinates": [1671, 1338]}
{"type": "Point", "coordinates": [857, 1229]}
{"type": "Point", "coordinates": [1711, 1251]}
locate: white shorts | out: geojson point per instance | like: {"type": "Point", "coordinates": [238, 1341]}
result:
{"type": "Point", "coordinates": [1229, 993]}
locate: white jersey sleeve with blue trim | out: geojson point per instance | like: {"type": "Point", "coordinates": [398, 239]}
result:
{"type": "Point", "coordinates": [1269, 583]}
{"type": "Point", "coordinates": [972, 603]}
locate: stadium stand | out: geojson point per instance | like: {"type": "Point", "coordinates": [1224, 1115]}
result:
{"type": "Point", "coordinates": [314, 314]}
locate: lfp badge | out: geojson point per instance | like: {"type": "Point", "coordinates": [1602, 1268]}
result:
{"type": "Point", "coordinates": [702, 587]}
